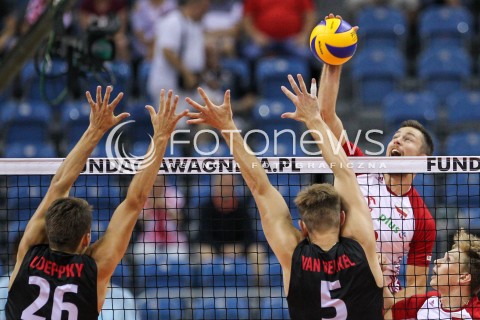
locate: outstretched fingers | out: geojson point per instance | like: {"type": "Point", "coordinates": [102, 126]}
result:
{"type": "Point", "coordinates": [303, 87]}
{"type": "Point", "coordinates": [227, 97]}
{"type": "Point", "coordinates": [289, 115]}
{"type": "Point", "coordinates": [294, 85]}
{"type": "Point", "coordinates": [99, 95]}
{"type": "Point", "coordinates": [116, 101]}
{"type": "Point", "coordinates": [290, 95]}
{"type": "Point", "coordinates": [205, 98]}
{"type": "Point", "coordinates": [195, 104]}
{"type": "Point", "coordinates": [104, 103]}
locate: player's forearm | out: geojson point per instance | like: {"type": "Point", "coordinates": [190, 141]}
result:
{"type": "Point", "coordinates": [73, 164]}
{"type": "Point", "coordinates": [330, 147]}
{"type": "Point", "coordinates": [252, 171]}
{"type": "Point", "coordinates": [143, 181]}
{"type": "Point", "coordinates": [328, 92]}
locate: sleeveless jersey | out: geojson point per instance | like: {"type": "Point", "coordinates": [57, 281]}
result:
{"type": "Point", "coordinates": [54, 285]}
{"type": "Point", "coordinates": [428, 306]}
{"type": "Point", "coordinates": [403, 224]}
{"type": "Point", "coordinates": [337, 284]}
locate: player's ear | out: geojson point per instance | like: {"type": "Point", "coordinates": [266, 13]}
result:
{"type": "Point", "coordinates": [303, 228]}
{"type": "Point", "coordinates": [465, 278]}
{"type": "Point", "coordinates": [87, 237]}
{"type": "Point", "coordinates": [342, 217]}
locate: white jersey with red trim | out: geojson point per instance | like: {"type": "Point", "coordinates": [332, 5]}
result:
{"type": "Point", "coordinates": [403, 224]}
{"type": "Point", "coordinates": [428, 306]}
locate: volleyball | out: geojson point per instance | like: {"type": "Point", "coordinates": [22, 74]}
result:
{"type": "Point", "coordinates": [333, 41]}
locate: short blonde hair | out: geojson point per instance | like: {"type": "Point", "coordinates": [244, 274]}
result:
{"type": "Point", "coordinates": [319, 206]}
{"type": "Point", "coordinates": [469, 245]}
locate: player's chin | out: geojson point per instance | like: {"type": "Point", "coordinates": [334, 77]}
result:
{"type": "Point", "coordinates": [433, 282]}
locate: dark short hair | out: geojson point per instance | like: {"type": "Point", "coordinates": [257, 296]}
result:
{"type": "Point", "coordinates": [67, 220]}
{"type": "Point", "coordinates": [319, 206]}
{"type": "Point", "coordinates": [427, 146]}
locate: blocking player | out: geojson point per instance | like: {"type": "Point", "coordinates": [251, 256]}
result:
{"type": "Point", "coordinates": [58, 273]}
{"type": "Point", "coordinates": [330, 267]}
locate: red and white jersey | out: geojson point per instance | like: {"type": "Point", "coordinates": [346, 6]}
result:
{"type": "Point", "coordinates": [428, 306]}
{"type": "Point", "coordinates": [403, 224]}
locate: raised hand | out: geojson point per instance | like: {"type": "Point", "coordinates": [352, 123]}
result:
{"type": "Point", "coordinates": [218, 116]}
{"type": "Point", "coordinates": [165, 120]}
{"type": "Point", "coordinates": [306, 104]}
{"type": "Point", "coordinates": [101, 111]}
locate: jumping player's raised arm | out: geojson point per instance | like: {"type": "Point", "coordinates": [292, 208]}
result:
{"type": "Point", "coordinates": [277, 224]}
{"type": "Point", "coordinates": [111, 247]}
{"type": "Point", "coordinates": [328, 93]}
{"type": "Point", "coordinates": [101, 120]}
{"type": "Point", "coordinates": [358, 225]}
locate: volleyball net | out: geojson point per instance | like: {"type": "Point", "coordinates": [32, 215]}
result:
{"type": "Point", "coordinates": [198, 250]}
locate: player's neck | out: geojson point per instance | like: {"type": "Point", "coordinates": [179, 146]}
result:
{"type": "Point", "coordinates": [326, 241]}
{"type": "Point", "coordinates": [454, 301]}
{"type": "Point", "coordinates": [400, 183]}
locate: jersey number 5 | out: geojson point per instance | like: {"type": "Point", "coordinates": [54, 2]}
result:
{"type": "Point", "coordinates": [58, 304]}
{"type": "Point", "coordinates": [328, 302]}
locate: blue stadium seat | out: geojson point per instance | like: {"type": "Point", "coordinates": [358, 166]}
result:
{"type": "Point", "coordinates": [155, 307]}
{"type": "Point", "coordinates": [142, 128]}
{"type": "Point", "coordinates": [29, 150]}
{"type": "Point", "coordinates": [463, 109]}
{"type": "Point", "coordinates": [224, 272]}
{"type": "Point", "coordinates": [26, 121]}
{"type": "Point", "coordinates": [75, 117]}
{"type": "Point", "coordinates": [122, 276]}
{"type": "Point", "coordinates": [274, 308]}
{"type": "Point", "coordinates": [444, 70]}
{"type": "Point", "coordinates": [23, 201]}
{"type": "Point", "coordinates": [271, 73]}
{"type": "Point", "coordinates": [445, 26]}
{"type": "Point", "coordinates": [376, 72]}
{"type": "Point", "coordinates": [143, 73]}
{"type": "Point", "coordinates": [400, 106]}
{"type": "Point", "coordinates": [267, 116]}
{"type": "Point", "coordinates": [273, 277]}
{"type": "Point", "coordinates": [463, 190]}
{"type": "Point", "coordinates": [239, 74]}
{"type": "Point", "coordinates": [221, 308]}
{"type": "Point", "coordinates": [118, 74]}
{"type": "Point", "coordinates": [430, 192]}
{"type": "Point", "coordinates": [382, 26]}
{"type": "Point", "coordinates": [53, 84]}
{"type": "Point", "coordinates": [168, 270]}
{"type": "Point", "coordinates": [205, 308]}
{"type": "Point", "coordinates": [470, 219]}
{"type": "Point", "coordinates": [463, 144]}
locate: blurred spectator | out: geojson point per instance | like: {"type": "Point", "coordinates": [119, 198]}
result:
{"type": "Point", "coordinates": [102, 13]}
{"type": "Point", "coordinates": [160, 222]}
{"type": "Point", "coordinates": [8, 23]}
{"type": "Point", "coordinates": [143, 18]}
{"type": "Point", "coordinates": [282, 27]}
{"type": "Point", "coordinates": [225, 225]}
{"type": "Point", "coordinates": [179, 55]}
{"type": "Point", "coordinates": [222, 25]}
